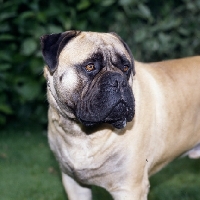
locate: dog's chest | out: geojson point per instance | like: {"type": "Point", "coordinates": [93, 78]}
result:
{"type": "Point", "coordinates": [87, 162]}
{"type": "Point", "coordinates": [76, 154]}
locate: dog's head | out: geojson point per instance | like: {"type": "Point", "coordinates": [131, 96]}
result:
{"type": "Point", "coordinates": [89, 77]}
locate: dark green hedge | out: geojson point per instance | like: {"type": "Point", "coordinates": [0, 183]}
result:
{"type": "Point", "coordinates": [153, 29]}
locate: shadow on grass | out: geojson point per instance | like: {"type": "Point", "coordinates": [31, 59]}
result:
{"type": "Point", "coordinates": [29, 171]}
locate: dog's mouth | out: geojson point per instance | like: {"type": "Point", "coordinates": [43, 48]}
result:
{"type": "Point", "coordinates": [118, 116]}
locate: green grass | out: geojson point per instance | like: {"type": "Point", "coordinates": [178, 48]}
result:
{"type": "Point", "coordinates": [179, 180]}
{"type": "Point", "coordinates": [28, 171]}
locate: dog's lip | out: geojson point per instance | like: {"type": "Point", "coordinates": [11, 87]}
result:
{"type": "Point", "coordinates": [119, 123]}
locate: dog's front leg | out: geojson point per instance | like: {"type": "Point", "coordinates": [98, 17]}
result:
{"type": "Point", "coordinates": [74, 190]}
{"type": "Point", "coordinates": [137, 190]}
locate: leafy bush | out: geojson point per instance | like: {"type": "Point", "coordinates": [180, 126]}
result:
{"type": "Point", "coordinates": [153, 29]}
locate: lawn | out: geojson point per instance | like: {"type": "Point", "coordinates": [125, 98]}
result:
{"type": "Point", "coordinates": [28, 171]}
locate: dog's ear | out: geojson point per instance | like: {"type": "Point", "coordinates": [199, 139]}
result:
{"type": "Point", "coordinates": [53, 44]}
{"type": "Point", "coordinates": [127, 49]}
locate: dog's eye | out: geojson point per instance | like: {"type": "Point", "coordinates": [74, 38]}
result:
{"type": "Point", "coordinates": [125, 68]}
{"type": "Point", "coordinates": [90, 67]}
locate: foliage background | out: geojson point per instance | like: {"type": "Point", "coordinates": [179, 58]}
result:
{"type": "Point", "coordinates": [154, 30]}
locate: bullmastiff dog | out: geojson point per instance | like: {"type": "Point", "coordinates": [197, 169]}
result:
{"type": "Point", "coordinates": [114, 121]}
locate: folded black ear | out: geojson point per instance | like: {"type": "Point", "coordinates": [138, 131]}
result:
{"type": "Point", "coordinates": [127, 48]}
{"type": "Point", "coordinates": [53, 44]}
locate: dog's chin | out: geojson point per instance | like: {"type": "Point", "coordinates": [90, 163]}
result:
{"type": "Point", "coordinates": [119, 124]}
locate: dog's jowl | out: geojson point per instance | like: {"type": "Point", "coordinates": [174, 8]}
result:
{"type": "Point", "coordinates": [109, 114]}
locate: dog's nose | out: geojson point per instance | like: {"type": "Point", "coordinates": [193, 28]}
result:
{"type": "Point", "coordinates": [118, 83]}
{"type": "Point", "coordinates": [114, 79]}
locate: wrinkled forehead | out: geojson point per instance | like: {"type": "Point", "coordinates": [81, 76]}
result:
{"type": "Point", "coordinates": [86, 44]}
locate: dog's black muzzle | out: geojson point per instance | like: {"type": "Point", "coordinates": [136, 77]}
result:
{"type": "Point", "coordinates": [109, 101]}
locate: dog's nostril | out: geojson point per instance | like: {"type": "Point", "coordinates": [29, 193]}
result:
{"type": "Point", "coordinates": [115, 83]}
{"type": "Point", "coordinates": [124, 83]}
